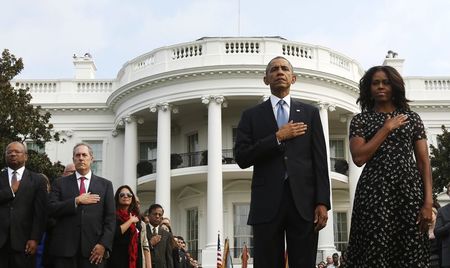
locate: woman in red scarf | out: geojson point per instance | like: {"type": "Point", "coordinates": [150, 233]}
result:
{"type": "Point", "coordinates": [127, 247]}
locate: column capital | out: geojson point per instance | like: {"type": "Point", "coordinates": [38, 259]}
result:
{"type": "Point", "coordinates": [67, 132]}
{"type": "Point", "coordinates": [114, 133]}
{"type": "Point", "coordinates": [129, 119]}
{"type": "Point", "coordinates": [346, 117]}
{"type": "Point", "coordinates": [219, 99]}
{"type": "Point", "coordinates": [325, 105]}
{"type": "Point", "coordinates": [162, 106]}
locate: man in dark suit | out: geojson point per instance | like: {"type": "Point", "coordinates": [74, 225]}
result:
{"type": "Point", "coordinates": [83, 206]}
{"type": "Point", "coordinates": [160, 240]}
{"type": "Point", "coordinates": [23, 202]}
{"type": "Point", "coordinates": [442, 232]}
{"type": "Point", "coordinates": [284, 143]}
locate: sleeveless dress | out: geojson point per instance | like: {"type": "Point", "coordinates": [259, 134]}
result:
{"type": "Point", "coordinates": [388, 198]}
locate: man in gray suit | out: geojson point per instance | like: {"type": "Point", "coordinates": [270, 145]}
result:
{"type": "Point", "coordinates": [159, 239]}
{"type": "Point", "coordinates": [83, 206]}
{"type": "Point", "coordinates": [23, 201]}
{"type": "Point", "coordinates": [442, 232]}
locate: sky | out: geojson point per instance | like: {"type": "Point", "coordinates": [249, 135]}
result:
{"type": "Point", "coordinates": [46, 33]}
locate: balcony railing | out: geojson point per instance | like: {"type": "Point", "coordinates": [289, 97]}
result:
{"type": "Point", "coordinates": [184, 160]}
{"type": "Point", "coordinates": [200, 158]}
{"type": "Point", "coordinates": [339, 165]}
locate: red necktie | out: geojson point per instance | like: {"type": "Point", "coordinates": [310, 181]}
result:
{"type": "Point", "coordinates": [82, 188]}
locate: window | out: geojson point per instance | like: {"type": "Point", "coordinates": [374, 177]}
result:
{"type": "Point", "coordinates": [147, 150]}
{"type": "Point", "coordinates": [337, 156]}
{"type": "Point", "coordinates": [97, 149]}
{"type": "Point", "coordinates": [234, 134]}
{"type": "Point", "coordinates": [31, 145]}
{"type": "Point", "coordinates": [193, 155]}
{"type": "Point", "coordinates": [192, 232]}
{"type": "Point", "coordinates": [340, 230]}
{"type": "Point", "coordinates": [243, 233]}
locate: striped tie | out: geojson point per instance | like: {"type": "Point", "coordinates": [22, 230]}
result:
{"type": "Point", "coordinates": [282, 118]}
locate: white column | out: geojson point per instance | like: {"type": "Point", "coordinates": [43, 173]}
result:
{"type": "Point", "coordinates": [214, 215]}
{"type": "Point", "coordinates": [353, 171]}
{"type": "Point", "coordinates": [130, 153]}
{"type": "Point", "coordinates": [326, 235]}
{"type": "Point", "coordinates": [117, 155]}
{"type": "Point", "coordinates": [163, 157]}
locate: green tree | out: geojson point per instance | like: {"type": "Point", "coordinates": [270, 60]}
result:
{"type": "Point", "coordinates": [440, 161]}
{"type": "Point", "coordinates": [21, 121]}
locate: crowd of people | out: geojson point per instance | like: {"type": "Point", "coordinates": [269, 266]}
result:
{"type": "Point", "coordinates": [393, 220]}
{"type": "Point", "coordinates": [334, 261]}
{"type": "Point", "coordinates": [78, 221]}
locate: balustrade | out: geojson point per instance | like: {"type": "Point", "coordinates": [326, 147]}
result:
{"type": "Point", "coordinates": [438, 84]}
{"type": "Point", "coordinates": [187, 51]}
{"type": "Point", "coordinates": [38, 87]}
{"type": "Point", "coordinates": [94, 86]}
{"type": "Point", "coordinates": [339, 61]}
{"type": "Point", "coordinates": [242, 47]}
{"type": "Point", "coordinates": [297, 51]}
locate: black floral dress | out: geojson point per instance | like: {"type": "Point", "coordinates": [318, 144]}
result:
{"type": "Point", "coordinates": [388, 198]}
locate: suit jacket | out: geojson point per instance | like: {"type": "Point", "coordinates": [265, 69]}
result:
{"type": "Point", "coordinates": [23, 216]}
{"type": "Point", "coordinates": [161, 253]}
{"type": "Point", "coordinates": [82, 225]}
{"type": "Point", "coordinates": [303, 159]}
{"type": "Point", "coordinates": [442, 232]}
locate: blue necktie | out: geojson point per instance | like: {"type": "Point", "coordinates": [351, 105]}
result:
{"type": "Point", "coordinates": [282, 117]}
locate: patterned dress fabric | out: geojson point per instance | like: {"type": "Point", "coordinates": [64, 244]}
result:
{"type": "Point", "coordinates": [388, 198]}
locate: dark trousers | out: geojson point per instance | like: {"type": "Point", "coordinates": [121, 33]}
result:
{"type": "Point", "coordinates": [74, 262]}
{"type": "Point", "coordinates": [10, 258]}
{"type": "Point", "coordinates": [269, 238]}
{"type": "Point", "coordinates": [77, 261]}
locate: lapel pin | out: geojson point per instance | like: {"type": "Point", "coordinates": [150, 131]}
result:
{"type": "Point", "coordinates": [298, 110]}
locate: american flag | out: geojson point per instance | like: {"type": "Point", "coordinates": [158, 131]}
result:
{"type": "Point", "coordinates": [245, 256]}
{"type": "Point", "coordinates": [219, 253]}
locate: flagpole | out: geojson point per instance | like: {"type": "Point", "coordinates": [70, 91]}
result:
{"type": "Point", "coordinates": [239, 17]}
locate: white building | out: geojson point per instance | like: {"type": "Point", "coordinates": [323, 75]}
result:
{"type": "Point", "coordinates": [183, 100]}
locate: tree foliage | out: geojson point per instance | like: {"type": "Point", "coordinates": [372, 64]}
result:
{"type": "Point", "coordinates": [20, 120]}
{"type": "Point", "coordinates": [440, 161]}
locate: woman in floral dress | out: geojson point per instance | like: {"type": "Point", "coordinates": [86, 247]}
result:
{"type": "Point", "coordinates": [393, 200]}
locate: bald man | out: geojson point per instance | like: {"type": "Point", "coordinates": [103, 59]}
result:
{"type": "Point", "coordinates": [69, 169]}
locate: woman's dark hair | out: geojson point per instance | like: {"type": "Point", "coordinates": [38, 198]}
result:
{"type": "Point", "coordinates": [133, 206]}
{"type": "Point", "coordinates": [399, 99]}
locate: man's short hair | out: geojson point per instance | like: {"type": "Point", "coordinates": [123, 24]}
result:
{"type": "Point", "coordinates": [279, 57]}
{"type": "Point", "coordinates": [24, 145]}
{"type": "Point", "coordinates": [153, 207]}
{"type": "Point", "coordinates": [91, 152]}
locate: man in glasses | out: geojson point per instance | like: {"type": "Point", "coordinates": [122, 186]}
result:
{"type": "Point", "coordinates": [83, 205]}
{"type": "Point", "coordinates": [23, 201]}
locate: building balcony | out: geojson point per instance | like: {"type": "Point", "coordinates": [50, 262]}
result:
{"type": "Point", "coordinates": [184, 160]}
{"type": "Point", "coordinates": [200, 158]}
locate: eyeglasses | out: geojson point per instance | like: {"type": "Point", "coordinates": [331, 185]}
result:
{"type": "Point", "coordinates": [129, 195]}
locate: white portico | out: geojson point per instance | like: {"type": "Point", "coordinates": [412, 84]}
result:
{"type": "Point", "coordinates": [165, 125]}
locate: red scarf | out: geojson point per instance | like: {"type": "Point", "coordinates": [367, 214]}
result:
{"type": "Point", "coordinates": [123, 216]}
